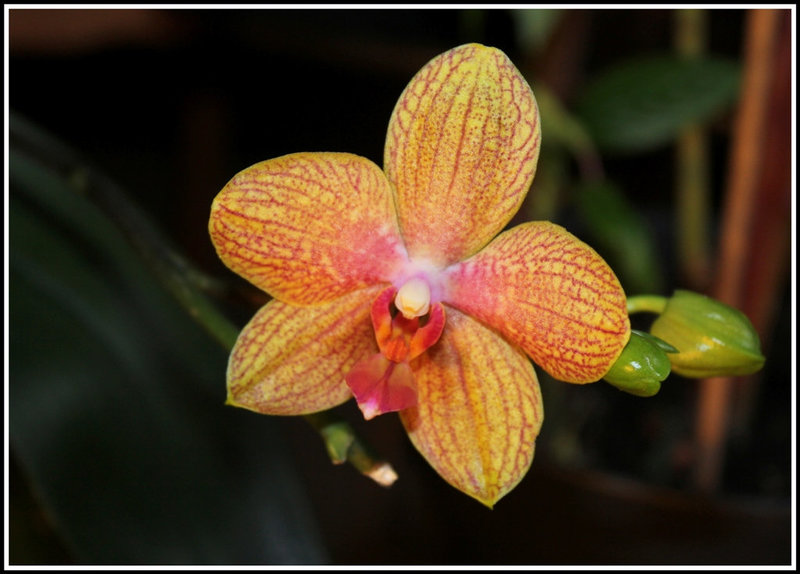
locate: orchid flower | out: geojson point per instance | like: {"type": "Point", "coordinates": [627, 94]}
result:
{"type": "Point", "coordinates": [400, 288]}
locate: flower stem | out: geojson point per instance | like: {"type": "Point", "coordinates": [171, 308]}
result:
{"type": "Point", "coordinates": [344, 446]}
{"type": "Point", "coordinates": [647, 304]}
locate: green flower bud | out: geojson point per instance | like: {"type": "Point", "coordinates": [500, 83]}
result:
{"type": "Point", "coordinates": [713, 339]}
{"type": "Point", "coordinates": [642, 365]}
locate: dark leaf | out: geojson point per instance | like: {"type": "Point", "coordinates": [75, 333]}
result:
{"type": "Point", "coordinates": [644, 103]}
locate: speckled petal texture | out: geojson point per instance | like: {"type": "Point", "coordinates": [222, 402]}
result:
{"type": "Point", "coordinates": [308, 227]}
{"type": "Point", "coordinates": [551, 294]}
{"type": "Point", "coordinates": [292, 360]}
{"type": "Point", "coordinates": [461, 151]}
{"type": "Point", "coordinates": [479, 411]}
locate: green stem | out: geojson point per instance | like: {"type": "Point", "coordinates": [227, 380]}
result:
{"type": "Point", "coordinates": [188, 285]}
{"type": "Point", "coordinates": [338, 434]}
{"type": "Point", "coordinates": [647, 304]}
{"type": "Point", "coordinates": [344, 445]}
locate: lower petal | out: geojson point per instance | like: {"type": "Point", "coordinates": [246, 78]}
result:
{"type": "Point", "coordinates": [479, 410]}
{"type": "Point", "coordinates": [292, 360]}
{"type": "Point", "coordinates": [551, 294]}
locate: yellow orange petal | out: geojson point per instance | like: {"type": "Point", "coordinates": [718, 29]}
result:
{"type": "Point", "coordinates": [308, 227]}
{"type": "Point", "coordinates": [292, 360]}
{"type": "Point", "coordinates": [479, 410]}
{"type": "Point", "coordinates": [549, 293]}
{"type": "Point", "coordinates": [461, 150]}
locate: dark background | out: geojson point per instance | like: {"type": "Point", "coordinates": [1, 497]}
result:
{"type": "Point", "coordinates": [171, 104]}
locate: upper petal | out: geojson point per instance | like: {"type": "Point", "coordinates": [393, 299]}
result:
{"type": "Point", "coordinates": [479, 410]}
{"type": "Point", "coordinates": [461, 151]}
{"type": "Point", "coordinates": [549, 293]}
{"type": "Point", "coordinates": [292, 360]}
{"type": "Point", "coordinates": [308, 227]}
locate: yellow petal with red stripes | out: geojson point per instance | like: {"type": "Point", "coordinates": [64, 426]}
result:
{"type": "Point", "coordinates": [461, 150]}
{"type": "Point", "coordinates": [549, 293]}
{"type": "Point", "coordinates": [308, 227]}
{"type": "Point", "coordinates": [292, 360]}
{"type": "Point", "coordinates": [479, 409]}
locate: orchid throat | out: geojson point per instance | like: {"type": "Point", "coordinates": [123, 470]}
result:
{"type": "Point", "coordinates": [406, 324]}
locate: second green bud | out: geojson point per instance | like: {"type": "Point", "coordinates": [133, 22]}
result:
{"type": "Point", "coordinates": [713, 338]}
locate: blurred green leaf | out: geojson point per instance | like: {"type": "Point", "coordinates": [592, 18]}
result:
{"type": "Point", "coordinates": [116, 401]}
{"type": "Point", "coordinates": [621, 235]}
{"type": "Point", "coordinates": [645, 102]}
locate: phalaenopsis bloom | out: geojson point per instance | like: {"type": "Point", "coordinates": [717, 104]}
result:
{"type": "Point", "coordinates": [399, 287]}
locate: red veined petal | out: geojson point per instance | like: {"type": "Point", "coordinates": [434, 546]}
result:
{"type": "Point", "coordinates": [292, 360]}
{"type": "Point", "coordinates": [549, 293]}
{"type": "Point", "coordinates": [479, 409]}
{"type": "Point", "coordinates": [461, 151]}
{"type": "Point", "coordinates": [308, 227]}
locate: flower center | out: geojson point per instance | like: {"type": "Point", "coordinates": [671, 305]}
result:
{"type": "Point", "coordinates": [413, 299]}
{"type": "Point", "coordinates": [384, 382]}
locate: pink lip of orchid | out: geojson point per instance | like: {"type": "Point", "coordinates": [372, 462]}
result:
{"type": "Point", "coordinates": [394, 286]}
